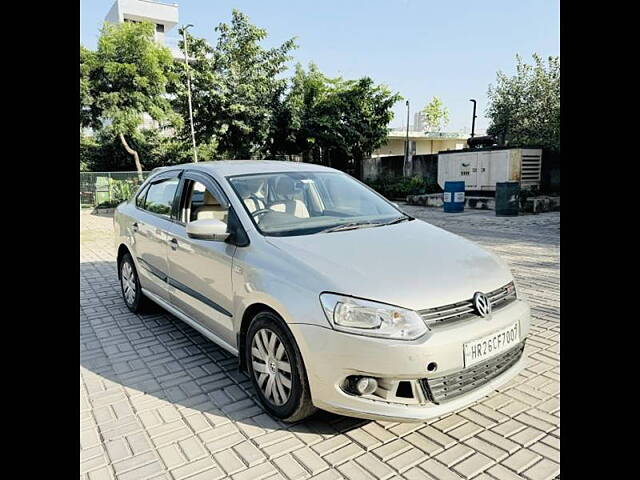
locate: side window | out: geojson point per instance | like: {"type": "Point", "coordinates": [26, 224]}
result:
{"type": "Point", "coordinates": [141, 196]}
{"type": "Point", "coordinates": [160, 195]}
{"type": "Point", "coordinates": [202, 204]}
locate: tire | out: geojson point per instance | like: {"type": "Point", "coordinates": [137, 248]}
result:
{"type": "Point", "coordinates": [128, 276]}
{"type": "Point", "coordinates": [289, 398]}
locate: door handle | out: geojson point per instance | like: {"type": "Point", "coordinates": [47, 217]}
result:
{"type": "Point", "coordinates": [174, 243]}
{"type": "Point", "coordinates": [134, 227]}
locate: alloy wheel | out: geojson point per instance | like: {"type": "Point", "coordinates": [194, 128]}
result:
{"type": "Point", "coordinates": [271, 366]}
{"type": "Point", "coordinates": [128, 279]}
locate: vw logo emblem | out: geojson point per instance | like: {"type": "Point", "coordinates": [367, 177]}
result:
{"type": "Point", "coordinates": [481, 304]}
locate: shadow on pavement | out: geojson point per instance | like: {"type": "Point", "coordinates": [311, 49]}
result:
{"type": "Point", "coordinates": [160, 356]}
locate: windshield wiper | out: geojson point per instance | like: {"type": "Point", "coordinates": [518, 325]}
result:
{"type": "Point", "coordinates": [406, 218]}
{"type": "Point", "coordinates": [348, 226]}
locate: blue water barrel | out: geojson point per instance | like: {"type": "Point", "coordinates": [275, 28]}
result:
{"type": "Point", "coordinates": [453, 197]}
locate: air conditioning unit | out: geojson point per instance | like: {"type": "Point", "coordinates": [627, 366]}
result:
{"type": "Point", "coordinates": [482, 169]}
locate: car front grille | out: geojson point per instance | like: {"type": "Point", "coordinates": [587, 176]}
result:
{"type": "Point", "coordinates": [442, 389]}
{"type": "Point", "coordinates": [435, 317]}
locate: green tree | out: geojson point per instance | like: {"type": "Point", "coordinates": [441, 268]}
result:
{"type": "Point", "coordinates": [524, 109]}
{"type": "Point", "coordinates": [128, 77]}
{"type": "Point", "coordinates": [237, 88]}
{"type": "Point", "coordinates": [86, 65]}
{"type": "Point", "coordinates": [436, 115]}
{"type": "Point", "coordinates": [332, 118]}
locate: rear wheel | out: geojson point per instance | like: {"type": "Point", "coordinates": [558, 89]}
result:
{"type": "Point", "coordinates": [276, 369]}
{"type": "Point", "coordinates": [130, 285]}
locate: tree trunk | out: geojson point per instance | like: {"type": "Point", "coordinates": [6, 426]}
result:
{"type": "Point", "coordinates": [132, 152]}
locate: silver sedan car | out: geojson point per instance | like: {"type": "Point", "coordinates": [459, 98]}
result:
{"type": "Point", "coordinates": [330, 295]}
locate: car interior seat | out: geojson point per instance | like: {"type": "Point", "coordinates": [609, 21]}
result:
{"type": "Point", "coordinates": [284, 190]}
{"type": "Point", "coordinates": [211, 209]}
{"type": "Point", "coordinates": [253, 202]}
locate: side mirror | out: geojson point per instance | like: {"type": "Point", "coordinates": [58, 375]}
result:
{"type": "Point", "coordinates": [209, 229]}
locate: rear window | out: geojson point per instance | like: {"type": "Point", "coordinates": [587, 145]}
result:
{"type": "Point", "coordinates": [159, 198]}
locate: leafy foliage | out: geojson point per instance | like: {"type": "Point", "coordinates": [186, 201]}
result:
{"type": "Point", "coordinates": [436, 115]}
{"type": "Point", "coordinates": [87, 62]}
{"type": "Point", "coordinates": [129, 73]}
{"type": "Point", "coordinates": [525, 109]}
{"type": "Point", "coordinates": [236, 88]}
{"type": "Point", "coordinates": [345, 117]}
{"type": "Point", "coordinates": [400, 187]}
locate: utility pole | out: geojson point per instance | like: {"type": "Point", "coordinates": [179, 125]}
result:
{"type": "Point", "coordinates": [473, 119]}
{"type": "Point", "coordinates": [186, 65]}
{"type": "Point", "coordinates": [406, 150]}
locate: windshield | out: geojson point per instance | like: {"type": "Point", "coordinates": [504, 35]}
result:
{"type": "Point", "coordinates": [300, 203]}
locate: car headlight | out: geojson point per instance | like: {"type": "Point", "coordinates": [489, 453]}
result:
{"type": "Point", "coordinates": [364, 317]}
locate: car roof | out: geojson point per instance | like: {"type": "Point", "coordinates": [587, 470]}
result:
{"type": "Point", "coordinates": [245, 167]}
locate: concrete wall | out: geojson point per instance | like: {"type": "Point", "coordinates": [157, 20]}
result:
{"type": "Point", "coordinates": [373, 168]}
{"type": "Point", "coordinates": [426, 166]}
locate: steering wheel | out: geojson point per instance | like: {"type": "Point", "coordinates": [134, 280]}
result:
{"type": "Point", "coordinates": [261, 211]}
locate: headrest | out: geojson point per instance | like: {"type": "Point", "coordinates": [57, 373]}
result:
{"type": "Point", "coordinates": [210, 199]}
{"type": "Point", "coordinates": [285, 186]}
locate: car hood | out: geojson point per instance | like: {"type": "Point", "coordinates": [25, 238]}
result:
{"type": "Point", "coordinates": [411, 264]}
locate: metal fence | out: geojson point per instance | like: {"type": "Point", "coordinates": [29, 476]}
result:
{"type": "Point", "coordinates": [108, 188]}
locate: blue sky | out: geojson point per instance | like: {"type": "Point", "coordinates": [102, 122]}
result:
{"type": "Point", "coordinates": [419, 48]}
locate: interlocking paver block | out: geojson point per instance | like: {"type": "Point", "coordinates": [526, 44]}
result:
{"type": "Point", "coordinates": [171, 456]}
{"type": "Point", "coordinates": [503, 473]}
{"type": "Point", "coordinates": [439, 471]}
{"type": "Point", "coordinates": [258, 472]}
{"type": "Point", "coordinates": [416, 473]}
{"type": "Point", "coordinates": [527, 436]}
{"type": "Point", "coordinates": [486, 448]}
{"type": "Point", "coordinates": [408, 459]}
{"type": "Point", "coordinates": [193, 467]}
{"type": "Point", "coordinates": [310, 460]}
{"type": "Point", "coordinates": [229, 461]}
{"type": "Point", "coordinates": [546, 451]}
{"type": "Point", "coordinates": [192, 448]}
{"type": "Point", "coordinates": [353, 471]}
{"type": "Point", "coordinates": [521, 460]}
{"type": "Point", "coordinates": [454, 455]}
{"type": "Point", "coordinates": [543, 470]}
{"type": "Point", "coordinates": [421, 442]}
{"type": "Point", "coordinates": [392, 449]}
{"type": "Point", "coordinates": [249, 453]}
{"type": "Point", "coordinates": [373, 465]}
{"type": "Point", "coordinates": [286, 446]}
{"type": "Point", "coordinates": [291, 469]}
{"type": "Point", "coordinates": [473, 465]}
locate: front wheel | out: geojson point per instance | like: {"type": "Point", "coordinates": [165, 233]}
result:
{"type": "Point", "coordinates": [276, 369]}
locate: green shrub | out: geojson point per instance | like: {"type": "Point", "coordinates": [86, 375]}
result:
{"type": "Point", "coordinates": [400, 187]}
{"type": "Point", "coordinates": [109, 204]}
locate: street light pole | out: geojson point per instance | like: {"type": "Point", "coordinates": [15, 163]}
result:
{"type": "Point", "coordinates": [473, 120]}
{"type": "Point", "coordinates": [186, 65]}
{"type": "Point", "coordinates": [406, 151]}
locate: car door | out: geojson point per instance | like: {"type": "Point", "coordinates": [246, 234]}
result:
{"type": "Point", "coordinates": [200, 270]}
{"type": "Point", "coordinates": [150, 231]}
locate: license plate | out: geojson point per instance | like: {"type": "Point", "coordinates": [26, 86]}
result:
{"type": "Point", "coordinates": [486, 347]}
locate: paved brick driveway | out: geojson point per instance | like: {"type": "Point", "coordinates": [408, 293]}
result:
{"type": "Point", "coordinates": [159, 401]}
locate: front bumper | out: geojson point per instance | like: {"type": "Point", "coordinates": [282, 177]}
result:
{"type": "Point", "coordinates": [331, 356]}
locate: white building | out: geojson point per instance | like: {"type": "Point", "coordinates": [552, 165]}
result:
{"type": "Point", "coordinates": [163, 15]}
